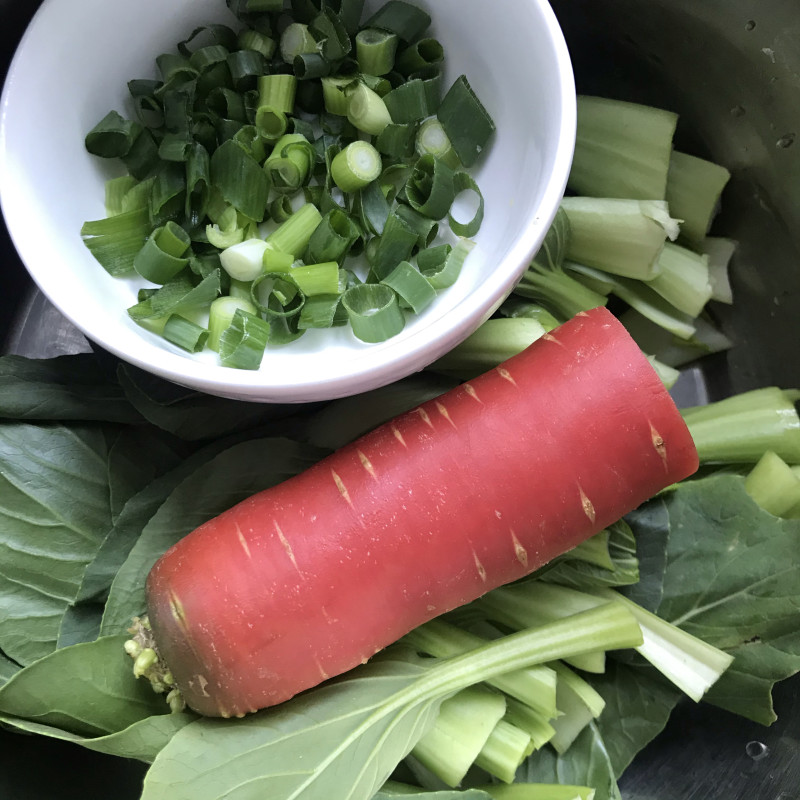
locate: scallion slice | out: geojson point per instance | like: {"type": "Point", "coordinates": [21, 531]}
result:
{"type": "Point", "coordinates": [407, 21]}
{"type": "Point", "coordinates": [422, 54]}
{"type": "Point", "coordinates": [412, 287]}
{"type": "Point", "coordinates": [366, 109]}
{"type": "Point", "coordinates": [375, 51]}
{"type": "Point", "coordinates": [113, 136]}
{"type": "Point", "coordinates": [185, 334]}
{"type": "Point", "coordinates": [374, 312]}
{"type": "Point", "coordinates": [314, 279]}
{"type": "Point", "coordinates": [443, 266]}
{"type": "Point", "coordinates": [242, 343]}
{"type": "Point", "coordinates": [162, 255]}
{"type": "Point", "coordinates": [431, 187]}
{"type": "Point", "coordinates": [221, 313]}
{"type": "Point", "coordinates": [294, 235]}
{"type": "Point", "coordinates": [358, 165]}
{"type": "Point", "coordinates": [244, 261]}
{"type": "Point", "coordinates": [465, 184]}
{"type": "Point", "coordinates": [432, 140]}
{"type": "Point", "coordinates": [466, 121]}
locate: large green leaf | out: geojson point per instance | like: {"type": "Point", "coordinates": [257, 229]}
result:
{"type": "Point", "coordinates": [142, 740]}
{"type": "Point", "coordinates": [193, 415]}
{"type": "Point", "coordinates": [639, 702]}
{"type": "Point", "coordinates": [218, 484]}
{"type": "Point", "coordinates": [339, 741]}
{"type": "Point", "coordinates": [74, 387]}
{"type": "Point", "coordinates": [7, 668]}
{"type": "Point", "coordinates": [54, 513]}
{"type": "Point", "coordinates": [132, 519]}
{"type": "Point", "coordinates": [733, 579]}
{"type": "Point", "coordinates": [87, 689]}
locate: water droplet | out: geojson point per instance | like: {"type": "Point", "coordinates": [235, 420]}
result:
{"type": "Point", "coordinates": [787, 140]}
{"type": "Point", "coordinates": [737, 111]}
{"type": "Point", "coordinates": [756, 750]}
{"type": "Point", "coordinates": [750, 25]}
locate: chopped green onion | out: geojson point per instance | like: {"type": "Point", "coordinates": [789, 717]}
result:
{"type": "Point", "coordinates": [113, 136]}
{"type": "Point", "coordinates": [221, 313]}
{"type": "Point", "coordinates": [296, 39]}
{"type": "Point", "coordinates": [432, 140]}
{"type": "Point", "coordinates": [314, 279]}
{"type": "Point", "coordinates": [115, 241]}
{"type": "Point", "coordinates": [162, 255]}
{"type": "Point", "coordinates": [333, 93]}
{"type": "Point", "coordinates": [408, 102]}
{"type": "Point", "coordinates": [420, 55]}
{"type": "Point", "coordinates": [308, 66]}
{"type": "Point", "coordinates": [275, 260]}
{"type": "Point", "coordinates": [396, 244]}
{"type": "Point", "coordinates": [271, 123]}
{"type": "Point", "coordinates": [374, 312]}
{"type": "Point", "coordinates": [431, 187]}
{"type": "Point", "coordinates": [180, 295]}
{"type": "Point", "coordinates": [375, 51]}
{"type": "Point", "coordinates": [293, 235]}
{"type": "Point", "coordinates": [333, 237]}
{"type": "Point", "coordinates": [251, 39]}
{"type": "Point", "coordinates": [442, 267]}
{"type": "Point", "coordinates": [240, 179]}
{"type": "Point", "coordinates": [464, 184]}
{"type": "Point", "coordinates": [333, 39]}
{"type": "Point", "coordinates": [244, 261]}
{"type": "Point", "coordinates": [185, 334]}
{"type": "Point", "coordinates": [413, 289]}
{"type": "Point", "coordinates": [226, 231]}
{"type": "Point", "coordinates": [397, 140]}
{"type": "Point", "coordinates": [277, 91]}
{"type": "Point", "coordinates": [407, 21]}
{"type": "Point", "coordinates": [425, 227]}
{"type": "Point", "coordinates": [356, 166]}
{"type": "Point", "coordinates": [242, 343]}
{"type": "Point", "coordinates": [288, 166]}
{"type": "Point", "coordinates": [116, 190]}
{"type": "Point", "coordinates": [366, 109]}
{"type": "Point", "coordinates": [465, 120]}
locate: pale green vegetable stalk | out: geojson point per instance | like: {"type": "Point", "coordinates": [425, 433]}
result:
{"type": "Point", "coordinates": [505, 750]}
{"type": "Point", "coordinates": [691, 664]}
{"type": "Point", "coordinates": [622, 149]}
{"type": "Point", "coordinates": [720, 250]}
{"type": "Point", "coordinates": [492, 343]}
{"type": "Point", "coordinates": [463, 726]}
{"type": "Point", "coordinates": [621, 236]}
{"type": "Point", "coordinates": [683, 279]}
{"type": "Point", "coordinates": [578, 704]}
{"type": "Point", "coordinates": [741, 428]}
{"type": "Point", "coordinates": [694, 187]}
{"type": "Point", "coordinates": [773, 484]}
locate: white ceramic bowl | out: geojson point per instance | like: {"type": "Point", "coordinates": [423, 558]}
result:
{"type": "Point", "coordinates": [58, 87]}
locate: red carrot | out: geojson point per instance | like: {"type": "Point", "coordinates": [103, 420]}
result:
{"type": "Point", "coordinates": [472, 490]}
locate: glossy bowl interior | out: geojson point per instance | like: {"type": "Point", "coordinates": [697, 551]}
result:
{"type": "Point", "coordinates": [514, 57]}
